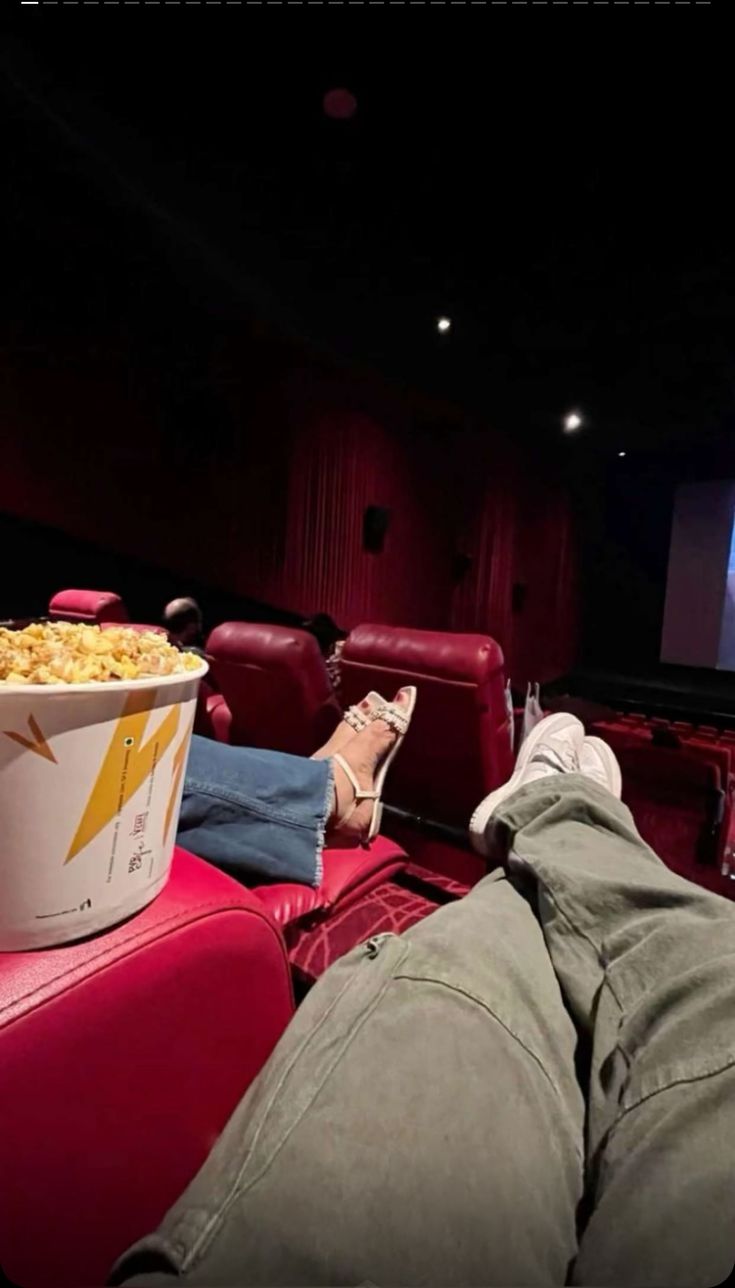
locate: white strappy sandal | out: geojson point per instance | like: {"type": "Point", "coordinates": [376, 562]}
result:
{"type": "Point", "coordinates": [398, 718]}
{"type": "Point", "coordinates": [359, 719]}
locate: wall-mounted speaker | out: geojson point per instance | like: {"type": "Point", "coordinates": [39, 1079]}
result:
{"type": "Point", "coordinates": [375, 523]}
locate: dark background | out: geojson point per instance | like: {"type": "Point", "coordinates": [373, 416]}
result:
{"type": "Point", "coordinates": [203, 272]}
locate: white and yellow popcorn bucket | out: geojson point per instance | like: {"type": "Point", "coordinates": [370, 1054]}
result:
{"type": "Point", "coordinates": [91, 778]}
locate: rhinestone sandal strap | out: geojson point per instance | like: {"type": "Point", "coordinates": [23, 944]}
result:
{"type": "Point", "coordinates": [393, 717]}
{"type": "Point", "coordinates": [355, 719]}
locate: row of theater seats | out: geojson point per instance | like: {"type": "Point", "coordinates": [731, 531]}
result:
{"type": "Point", "coordinates": [274, 691]}
{"type": "Point", "coordinates": [679, 781]}
{"type": "Point", "coordinates": [681, 731]}
{"type": "Point", "coordinates": [270, 688]}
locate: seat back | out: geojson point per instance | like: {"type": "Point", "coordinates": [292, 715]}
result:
{"type": "Point", "coordinates": [93, 606]}
{"type": "Point", "coordinates": [275, 684]}
{"type": "Point", "coordinates": [458, 747]}
{"type": "Point", "coordinates": [677, 801]}
{"type": "Point", "coordinates": [678, 795]}
{"type": "Point", "coordinates": [121, 1059]}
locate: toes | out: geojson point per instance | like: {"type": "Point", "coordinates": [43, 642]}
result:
{"type": "Point", "coordinates": [381, 736]}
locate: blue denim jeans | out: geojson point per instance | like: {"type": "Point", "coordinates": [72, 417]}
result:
{"type": "Point", "coordinates": [260, 815]}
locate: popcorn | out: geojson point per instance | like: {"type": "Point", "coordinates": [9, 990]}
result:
{"type": "Point", "coordinates": [71, 653]}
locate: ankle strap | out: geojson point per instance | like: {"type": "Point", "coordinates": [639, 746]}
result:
{"type": "Point", "coordinates": [347, 770]}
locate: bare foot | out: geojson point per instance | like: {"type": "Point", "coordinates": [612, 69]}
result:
{"type": "Point", "coordinates": [350, 823]}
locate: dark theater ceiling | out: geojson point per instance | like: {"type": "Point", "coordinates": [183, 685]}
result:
{"type": "Point", "coordinates": [563, 195]}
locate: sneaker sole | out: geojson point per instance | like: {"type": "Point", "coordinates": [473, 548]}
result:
{"type": "Point", "coordinates": [487, 807]}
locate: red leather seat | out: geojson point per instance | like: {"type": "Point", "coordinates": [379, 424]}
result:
{"type": "Point", "coordinates": [459, 745]}
{"type": "Point", "coordinates": [274, 687]}
{"type": "Point", "coordinates": [214, 718]}
{"type": "Point", "coordinates": [721, 820]}
{"type": "Point", "coordinates": [207, 702]}
{"type": "Point", "coordinates": [349, 875]}
{"type": "Point", "coordinates": [121, 1059]}
{"type": "Point", "coordinates": [677, 801]}
{"type": "Point", "coordinates": [94, 606]}
{"type": "Point", "coordinates": [680, 795]}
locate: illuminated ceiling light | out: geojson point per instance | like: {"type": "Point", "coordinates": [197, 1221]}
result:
{"type": "Point", "coordinates": [572, 422]}
{"type": "Point", "coordinates": [621, 453]}
{"type": "Point", "coordinates": [443, 325]}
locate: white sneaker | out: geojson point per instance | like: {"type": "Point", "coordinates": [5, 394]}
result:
{"type": "Point", "coordinates": [553, 747]}
{"type": "Point", "coordinates": [598, 761]}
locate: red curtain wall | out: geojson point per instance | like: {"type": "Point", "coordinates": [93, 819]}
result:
{"type": "Point", "coordinates": [274, 508]}
{"type": "Point", "coordinates": [340, 465]}
{"type": "Point", "coordinates": [519, 535]}
{"type": "Point", "coordinates": [464, 494]}
{"type": "Point", "coordinates": [545, 631]}
{"type": "Point", "coordinates": [482, 600]}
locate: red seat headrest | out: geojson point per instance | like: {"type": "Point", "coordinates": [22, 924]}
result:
{"type": "Point", "coordinates": [275, 683]}
{"type": "Point", "coordinates": [94, 606]}
{"type": "Point", "coordinates": [458, 747]}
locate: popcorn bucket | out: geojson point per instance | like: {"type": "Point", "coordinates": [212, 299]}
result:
{"type": "Point", "coordinates": [91, 778]}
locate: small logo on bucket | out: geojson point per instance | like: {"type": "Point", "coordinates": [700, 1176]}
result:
{"type": "Point", "coordinates": [139, 823]}
{"type": "Point", "coordinates": [38, 743]}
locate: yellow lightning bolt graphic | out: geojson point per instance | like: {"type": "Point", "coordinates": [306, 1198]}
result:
{"type": "Point", "coordinates": [126, 766]}
{"type": "Point", "coordinates": [38, 743]}
{"type": "Point", "coordinates": [177, 771]}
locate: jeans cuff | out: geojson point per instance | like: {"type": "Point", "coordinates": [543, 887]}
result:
{"type": "Point", "coordinates": [329, 803]}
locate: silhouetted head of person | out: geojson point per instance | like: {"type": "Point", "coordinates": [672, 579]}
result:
{"type": "Point", "coordinates": [183, 621]}
{"type": "Point", "coordinates": [325, 630]}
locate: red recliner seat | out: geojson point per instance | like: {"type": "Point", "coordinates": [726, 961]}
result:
{"type": "Point", "coordinates": [275, 693]}
{"type": "Point", "coordinates": [677, 801]}
{"type": "Point", "coordinates": [274, 688]}
{"type": "Point", "coordinates": [349, 875]}
{"type": "Point", "coordinates": [459, 745]}
{"type": "Point", "coordinates": [93, 606]}
{"type": "Point", "coordinates": [680, 796]}
{"type": "Point", "coordinates": [121, 1059]}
